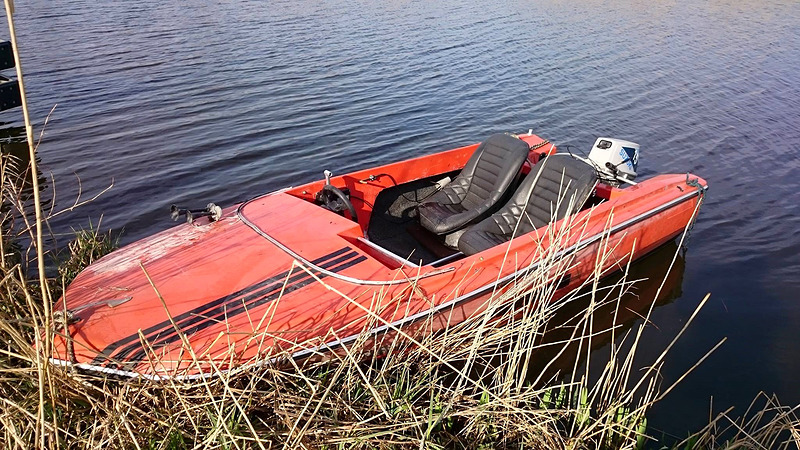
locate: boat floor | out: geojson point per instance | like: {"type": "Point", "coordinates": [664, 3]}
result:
{"type": "Point", "coordinates": [395, 227]}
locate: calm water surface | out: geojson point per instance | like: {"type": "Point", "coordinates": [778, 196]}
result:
{"type": "Point", "coordinates": [189, 102]}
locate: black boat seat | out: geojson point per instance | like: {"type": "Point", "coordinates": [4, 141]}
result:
{"type": "Point", "coordinates": [561, 188]}
{"type": "Point", "coordinates": [482, 183]}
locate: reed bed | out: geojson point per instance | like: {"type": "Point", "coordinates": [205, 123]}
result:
{"type": "Point", "coordinates": [497, 380]}
{"type": "Point", "coordinates": [514, 375]}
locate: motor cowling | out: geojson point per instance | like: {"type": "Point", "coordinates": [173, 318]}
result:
{"type": "Point", "coordinates": [616, 158]}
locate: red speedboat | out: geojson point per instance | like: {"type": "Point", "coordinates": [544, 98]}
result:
{"type": "Point", "coordinates": [305, 270]}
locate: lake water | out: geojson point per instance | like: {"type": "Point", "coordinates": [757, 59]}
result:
{"type": "Point", "coordinates": [191, 101]}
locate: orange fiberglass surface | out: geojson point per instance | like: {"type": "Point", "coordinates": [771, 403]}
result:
{"type": "Point", "coordinates": [305, 270]}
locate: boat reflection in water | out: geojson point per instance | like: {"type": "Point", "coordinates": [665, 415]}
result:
{"type": "Point", "coordinates": [624, 301]}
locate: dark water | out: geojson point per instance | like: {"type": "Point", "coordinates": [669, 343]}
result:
{"type": "Point", "coordinates": [191, 102]}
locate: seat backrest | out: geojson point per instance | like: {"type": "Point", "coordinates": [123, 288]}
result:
{"type": "Point", "coordinates": [492, 168]}
{"type": "Point", "coordinates": [562, 185]}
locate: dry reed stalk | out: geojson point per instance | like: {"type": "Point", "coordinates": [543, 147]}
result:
{"type": "Point", "coordinates": [469, 385]}
{"type": "Point", "coordinates": [42, 354]}
{"type": "Point", "coordinates": [307, 409]}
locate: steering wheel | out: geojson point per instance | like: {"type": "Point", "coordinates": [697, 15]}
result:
{"type": "Point", "coordinates": [335, 200]}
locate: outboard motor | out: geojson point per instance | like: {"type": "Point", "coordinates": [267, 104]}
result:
{"type": "Point", "coordinates": [616, 158]}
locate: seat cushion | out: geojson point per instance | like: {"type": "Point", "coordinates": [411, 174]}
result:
{"type": "Point", "coordinates": [483, 235]}
{"type": "Point", "coordinates": [435, 216]}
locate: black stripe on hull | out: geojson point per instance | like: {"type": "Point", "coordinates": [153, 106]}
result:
{"type": "Point", "coordinates": [135, 353]}
{"type": "Point", "coordinates": [211, 308]}
{"type": "Point", "coordinates": [196, 322]}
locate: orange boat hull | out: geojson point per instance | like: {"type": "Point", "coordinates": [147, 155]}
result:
{"type": "Point", "coordinates": [280, 275]}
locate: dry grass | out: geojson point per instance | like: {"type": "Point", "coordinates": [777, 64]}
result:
{"type": "Point", "coordinates": [514, 376]}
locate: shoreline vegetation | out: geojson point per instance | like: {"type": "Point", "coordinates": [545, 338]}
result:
{"type": "Point", "coordinates": [524, 373]}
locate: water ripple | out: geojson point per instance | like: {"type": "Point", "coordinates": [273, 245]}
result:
{"type": "Point", "coordinates": [195, 101]}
